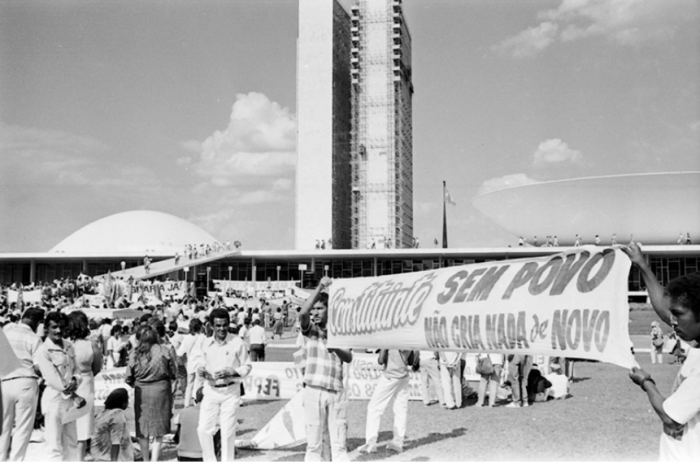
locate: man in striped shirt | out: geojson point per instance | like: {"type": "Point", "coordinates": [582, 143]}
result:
{"type": "Point", "coordinates": [325, 405]}
{"type": "Point", "coordinates": [20, 389]}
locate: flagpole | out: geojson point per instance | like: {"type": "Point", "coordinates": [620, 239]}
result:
{"type": "Point", "coordinates": [444, 214]}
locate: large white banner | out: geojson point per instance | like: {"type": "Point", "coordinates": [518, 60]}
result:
{"type": "Point", "coordinates": [572, 304]}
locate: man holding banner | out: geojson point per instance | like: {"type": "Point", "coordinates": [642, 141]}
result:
{"type": "Point", "coordinates": [679, 306]}
{"type": "Point", "coordinates": [325, 405]}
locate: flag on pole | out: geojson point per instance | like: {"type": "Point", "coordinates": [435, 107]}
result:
{"type": "Point", "coordinates": [448, 197]}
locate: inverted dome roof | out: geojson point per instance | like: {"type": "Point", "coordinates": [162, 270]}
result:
{"type": "Point", "coordinates": [139, 231]}
{"type": "Point", "coordinates": [653, 207]}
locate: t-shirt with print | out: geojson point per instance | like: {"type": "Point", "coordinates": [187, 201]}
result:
{"type": "Point", "coordinates": [111, 428]}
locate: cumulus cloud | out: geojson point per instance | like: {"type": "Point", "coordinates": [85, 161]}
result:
{"type": "Point", "coordinates": [555, 151]}
{"type": "Point", "coordinates": [259, 141]}
{"type": "Point", "coordinates": [530, 41]}
{"type": "Point", "coordinates": [552, 158]}
{"type": "Point", "coordinates": [625, 22]}
{"type": "Point", "coordinates": [245, 172]}
{"type": "Point", "coordinates": [504, 182]}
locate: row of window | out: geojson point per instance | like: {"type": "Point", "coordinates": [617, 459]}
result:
{"type": "Point", "coordinates": [665, 269]}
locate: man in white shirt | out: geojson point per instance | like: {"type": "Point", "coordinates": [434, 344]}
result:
{"type": "Point", "coordinates": [392, 385]}
{"type": "Point", "coordinates": [223, 364]}
{"type": "Point", "coordinates": [56, 361]}
{"type": "Point", "coordinates": [191, 348]}
{"type": "Point", "coordinates": [258, 340]}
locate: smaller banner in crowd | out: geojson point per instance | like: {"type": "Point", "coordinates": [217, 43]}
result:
{"type": "Point", "coordinates": [282, 380]}
{"type": "Point", "coordinates": [28, 296]}
{"type": "Point", "coordinates": [222, 285]}
{"type": "Point", "coordinates": [572, 304]}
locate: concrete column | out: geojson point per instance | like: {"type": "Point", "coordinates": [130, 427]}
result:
{"type": "Point", "coordinates": [374, 266]}
{"type": "Point", "coordinates": [85, 267]}
{"type": "Point", "coordinates": [253, 270]}
{"type": "Point", "coordinates": [32, 271]}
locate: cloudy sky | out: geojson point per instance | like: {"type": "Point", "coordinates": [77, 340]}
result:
{"type": "Point", "coordinates": [189, 108]}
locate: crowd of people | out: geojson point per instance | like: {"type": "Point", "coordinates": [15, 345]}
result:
{"type": "Point", "coordinates": [208, 349]}
{"type": "Point", "coordinates": [553, 241]}
{"type": "Point", "coordinates": [186, 344]}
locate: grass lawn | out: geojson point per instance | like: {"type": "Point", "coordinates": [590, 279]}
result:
{"type": "Point", "coordinates": [606, 418]}
{"type": "Point", "coordinates": [641, 316]}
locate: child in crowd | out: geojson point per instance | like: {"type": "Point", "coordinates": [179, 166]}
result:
{"type": "Point", "coordinates": [110, 439]}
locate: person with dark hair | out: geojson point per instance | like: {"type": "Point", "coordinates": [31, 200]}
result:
{"type": "Point", "coordinates": [519, 366]}
{"type": "Point", "coordinates": [111, 439]}
{"type": "Point", "coordinates": [20, 389]}
{"type": "Point", "coordinates": [115, 345]}
{"type": "Point", "coordinates": [191, 350]}
{"type": "Point", "coordinates": [278, 328]}
{"type": "Point", "coordinates": [224, 363]}
{"type": "Point", "coordinates": [392, 385]}
{"type": "Point", "coordinates": [537, 385]}
{"type": "Point", "coordinates": [58, 366]}
{"type": "Point", "coordinates": [89, 359]}
{"type": "Point", "coordinates": [325, 399]}
{"type": "Point", "coordinates": [188, 446]}
{"type": "Point", "coordinates": [678, 305]}
{"type": "Point", "coordinates": [258, 340]}
{"type": "Point", "coordinates": [150, 371]}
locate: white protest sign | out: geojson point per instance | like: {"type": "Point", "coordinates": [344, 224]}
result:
{"type": "Point", "coordinates": [28, 296]}
{"type": "Point", "coordinates": [572, 304]}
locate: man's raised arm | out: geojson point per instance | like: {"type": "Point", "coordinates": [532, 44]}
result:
{"type": "Point", "coordinates": [659, 301]}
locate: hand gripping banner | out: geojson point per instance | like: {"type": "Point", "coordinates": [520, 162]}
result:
{"type": "Point", "coordinates": [572, 304]}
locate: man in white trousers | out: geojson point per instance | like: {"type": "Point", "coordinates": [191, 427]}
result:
{"type": "Point", "coordinates": [20, 390]}
{"type": "Point", "coordinates": [224, 363]}
{"type": "Point", "coordinates": [450, 375]}
{"type": "Point", "coordinates": [392, 384]}
{"type": "Point", "coordinates": [191, 348]}
{"type": "Point", "coordinates": [430, 373]}
{"type": "Point", "coordinates": [56, 361]}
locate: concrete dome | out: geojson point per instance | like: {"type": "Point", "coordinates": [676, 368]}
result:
{"type": "Point", "coordinates": [139, 231]}
{"type": "Point", "coordinates": [654, 207]}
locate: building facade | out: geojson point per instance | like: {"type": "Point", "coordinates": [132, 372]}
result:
{"type": "Point", "coordinates": [354, 136]}
{"type": "Point", "coordinates": [309, 267]}
{"type": "Point", "coordinates": [323, 173]}
{"type": "Point", "coordinates": [382, 143]}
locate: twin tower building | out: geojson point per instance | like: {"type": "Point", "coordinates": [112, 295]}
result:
{"type": "Point", "coordinates": [354, 137]}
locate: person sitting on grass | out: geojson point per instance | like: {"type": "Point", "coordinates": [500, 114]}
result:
{"type": "Point", "coordinates": [110, 439]}
{"type": "Point", "coordinates": [559, 381]}
{"type": "Point", "coordinates": [188, 446]}
{"type": "Point", "coordinates": [678, 305]}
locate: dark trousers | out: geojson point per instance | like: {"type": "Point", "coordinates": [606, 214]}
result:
{"type": "Point", "coordinates": [257, 352]}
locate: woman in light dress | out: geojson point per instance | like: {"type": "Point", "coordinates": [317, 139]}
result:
{"type": "Point", "coordinates": [115, 344]}
{"type": "Point", "coordinates": [88, 356]}
{"type": "Point", "coordinates": [657, 343]}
